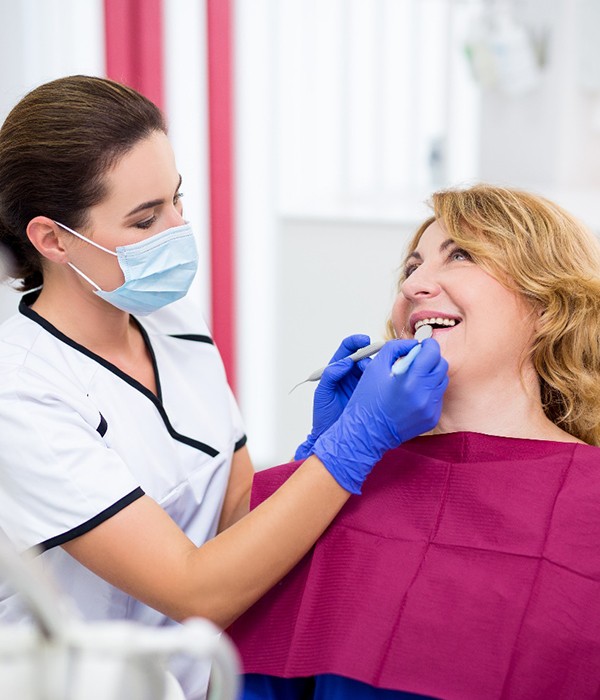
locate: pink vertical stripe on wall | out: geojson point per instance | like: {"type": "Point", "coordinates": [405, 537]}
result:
{"type": "Point", "coordinates": [134, 45]}
{"type": "Point", "coordinates": [220, 121]}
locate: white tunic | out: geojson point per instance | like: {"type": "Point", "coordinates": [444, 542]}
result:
{"type": "Point", "coordinates": [80, 440]}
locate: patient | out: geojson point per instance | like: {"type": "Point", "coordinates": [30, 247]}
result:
{"type": "Point", "coordinates": [470, 567]}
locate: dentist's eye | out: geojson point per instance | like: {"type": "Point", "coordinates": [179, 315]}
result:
{"type": "Point", "coordinates": [177, 197]}
{"type": "Point", "coordinates": [146, 223]}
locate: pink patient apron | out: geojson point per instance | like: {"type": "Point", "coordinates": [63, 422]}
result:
{"type": "Point", "coordinates": [468, 569]}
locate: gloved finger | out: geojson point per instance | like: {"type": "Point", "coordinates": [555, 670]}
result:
{"type": "Point", "coordinates": [432, 379]}
{"type": "Point", "coordinates": [443, 385]}
{"type": "Point", "coordinates": [437, 372]}
{"type": "Point", "coordinates": [362, 364]}
{"type": "Point", "coordinates": [393, 350]}
{"type": "Point", "coordinates": [442, 368]}
{"type": "Point", "coordinates": [428, 358]}
{"type": "Point", "coordinates": [357, 370]}
{"type": "Point", "coordinates": [336, 371]}
{"type": "Point", "coordinates": [349, 345]}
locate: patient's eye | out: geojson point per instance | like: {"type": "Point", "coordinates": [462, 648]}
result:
{"type": "Point", "coordinates": [459, 254]}
{"type": "Point", "coordinates": [409, 268]}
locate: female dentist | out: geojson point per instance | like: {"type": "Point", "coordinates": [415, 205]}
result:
{"type": "Point", "coordinates": [122, 453]}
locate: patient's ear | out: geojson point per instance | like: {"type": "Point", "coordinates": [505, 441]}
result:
{"type": "Point", "coordinates": [390, 330]}
{"type": "Point", "coordinates": [537, 318]}
{"type": "Point", "coordinates": [46, 237]}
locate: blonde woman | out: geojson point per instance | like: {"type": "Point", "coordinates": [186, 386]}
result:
{"type": "Point", "coordinates": [470, 568]}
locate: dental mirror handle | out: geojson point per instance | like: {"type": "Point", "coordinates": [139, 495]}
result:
{"type": "Point", "coordinates": [403, 363]}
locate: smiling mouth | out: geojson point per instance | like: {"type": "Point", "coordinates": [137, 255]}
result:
{"type": "Point", "coordinates": [437, 322]}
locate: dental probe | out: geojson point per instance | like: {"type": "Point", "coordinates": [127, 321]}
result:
{"type": "Point", "coordinates": [403, 363]}
{"type": "Point", "coordinates": [360, 354]}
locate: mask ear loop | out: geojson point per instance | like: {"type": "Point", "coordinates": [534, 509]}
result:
{"type": "Point", "coordinates": [87, 240]}
{"type": "Point", "coordinates": [85, 277]}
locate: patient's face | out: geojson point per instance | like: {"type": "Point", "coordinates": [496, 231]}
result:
{"type": "Point", "coordinates": [481, 326]}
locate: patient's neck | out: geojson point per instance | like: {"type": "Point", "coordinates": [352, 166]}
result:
{"type": "Point", "coordinates": [497, 406]}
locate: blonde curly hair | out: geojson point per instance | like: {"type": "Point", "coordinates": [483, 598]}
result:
{"type": "Point", "coordinates": [537, 249]}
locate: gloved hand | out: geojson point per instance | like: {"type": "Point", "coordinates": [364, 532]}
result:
{"type": "Point", "coordinates": [335, 389]}
{"type": "Point", "coordinates": [384, 411]}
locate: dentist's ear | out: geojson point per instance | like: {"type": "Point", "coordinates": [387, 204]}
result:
{"type": "Point", "coordinates": [46, 237]}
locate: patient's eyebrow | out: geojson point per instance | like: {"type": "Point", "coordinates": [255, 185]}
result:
{"type": "Point", "coordinates": [415, 255]}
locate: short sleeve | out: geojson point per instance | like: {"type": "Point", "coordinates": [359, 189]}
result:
{"type": "Point", "coordinates": [237, 421]}
{"type": "Point", "coordinates": [58, 478]}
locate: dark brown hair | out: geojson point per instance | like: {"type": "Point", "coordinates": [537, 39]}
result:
{"type": "Point", "coordinates": [56, 145]}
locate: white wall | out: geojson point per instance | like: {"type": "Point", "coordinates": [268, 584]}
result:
{"type": "Point", "coordinates": [550, 137]}
{"type": "Point", "coordinates": [258, 243]}
{"type": "Point", "coordinates": [186, 111]}
{"type": "Point", "coordinates": [41, 40]}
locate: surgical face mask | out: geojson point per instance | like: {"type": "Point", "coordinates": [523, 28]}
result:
{"type": "Point", "coordinates": [157, 270]}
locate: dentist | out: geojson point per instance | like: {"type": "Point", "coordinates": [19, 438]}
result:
{"type": "Point", "coordinates": [123, 457]}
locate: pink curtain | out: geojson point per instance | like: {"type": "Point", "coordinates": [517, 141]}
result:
{"type": "Point", "coordinates": [134, 45]}
{"type": "Point", "coordinates": [220, 119]}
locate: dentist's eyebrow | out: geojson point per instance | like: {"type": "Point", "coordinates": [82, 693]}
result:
{"type": "Point", "coordinates": [152, 203]}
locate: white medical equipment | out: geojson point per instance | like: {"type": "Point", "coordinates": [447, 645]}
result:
{"type": "Point", "coordinates": [61, 657]}
{"type": "Point", "coordinates": [503, 53]}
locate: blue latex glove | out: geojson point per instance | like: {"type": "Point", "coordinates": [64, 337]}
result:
{"type": "Point", "coordinates": [335, 389]}
{"type": "Point", "coordinates": [384, 411]}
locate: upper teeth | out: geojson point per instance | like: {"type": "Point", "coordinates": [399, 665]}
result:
{"type": "Point", "coordinates": [435, 321]}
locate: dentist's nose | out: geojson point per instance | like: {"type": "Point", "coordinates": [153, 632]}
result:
{"type": "Point", "coordinates": [421, 283]}
{"type": "Point", "coordinates": [176, 219]}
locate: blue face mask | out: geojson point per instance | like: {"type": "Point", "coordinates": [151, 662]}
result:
{"type": "Point", "coordinates": [157, 270]}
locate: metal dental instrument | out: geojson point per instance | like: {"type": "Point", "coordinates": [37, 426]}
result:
{"type": "Point", "coordinates": [360, 354]}
{"type": "Point", "coordinates": [403, 363]}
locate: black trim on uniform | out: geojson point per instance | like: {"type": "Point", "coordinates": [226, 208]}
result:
{"type": "Point", "coordinates": [92, 522]}
{"type": "Point", "coordinates": [240, 443]}
{"type": "Point", "coordinates": [152, 357]}
{"type": "Point", "coordinates": [103, 427]}
{"type": "Point", "coordinates": [31, 314]}
{"type": "Point", "coordinates": [192, 336]}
